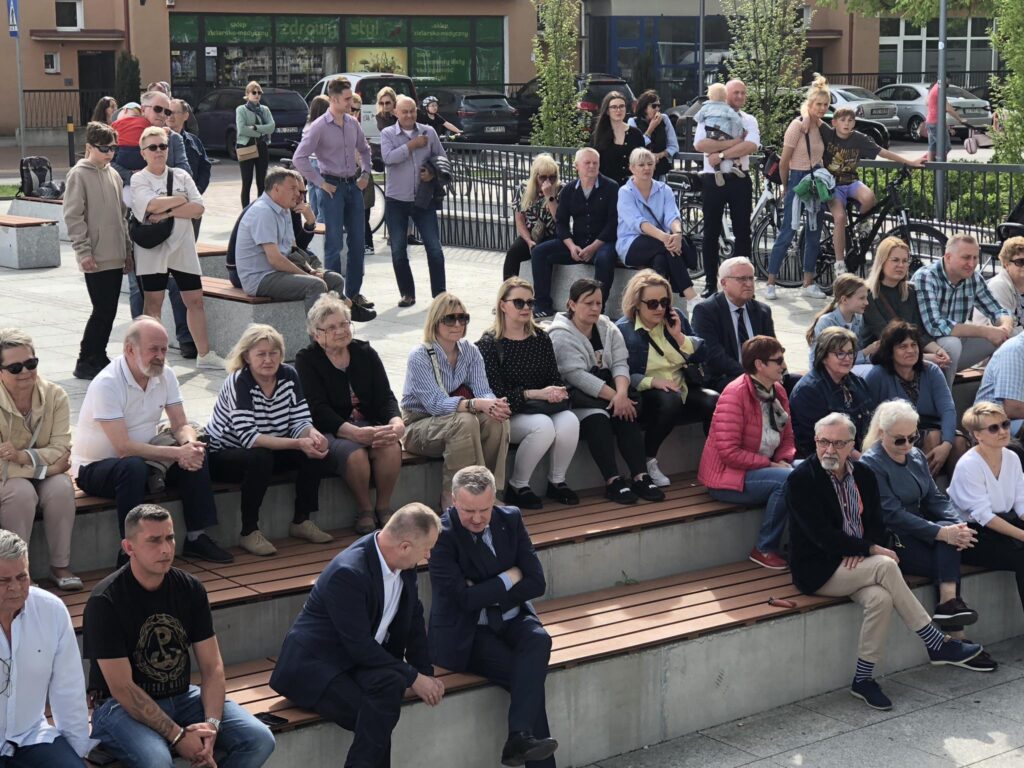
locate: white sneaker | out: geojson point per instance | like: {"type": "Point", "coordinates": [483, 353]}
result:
{"type": "Point", "coordinates": [657, 476]}
{"type": "Point", "coordinates": [841, 268]}
{"type": "Point", "coordinates": [210, 361]}
{"type": "Point", "coordinates": [769, 292]}
{"type": "Point", "coordinates": [309, 531]}
{"type": "Point", "coordinates": [812, 291]}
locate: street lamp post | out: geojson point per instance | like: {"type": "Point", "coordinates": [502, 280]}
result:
{"type": "Point", "coordinates": [700, 49]}
{"type": "Point", "coordinates": [942, 136]}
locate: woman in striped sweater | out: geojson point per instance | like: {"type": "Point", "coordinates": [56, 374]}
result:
{"type": "Point", "coordinates": [261, 426]}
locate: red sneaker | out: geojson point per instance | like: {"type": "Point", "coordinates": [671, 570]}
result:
{"type": "Point", "coordinates": [768, 560]}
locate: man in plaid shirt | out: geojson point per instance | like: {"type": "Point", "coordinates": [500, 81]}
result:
{"type": "Point", "coordinates": [948, 292]}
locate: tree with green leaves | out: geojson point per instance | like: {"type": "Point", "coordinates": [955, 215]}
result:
{"type": "Point", "coordinates": [919, 12]}
{"type": "Point", "coordinates": [559, 121]}
{"type": "Point", "coordinates": [127, 78]}
{"type": "Point", "coordinates": [1008, 39]}
{"type": "Point", "coordinates": [769, 43]}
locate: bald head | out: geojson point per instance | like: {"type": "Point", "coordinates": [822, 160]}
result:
{"type": "Point", "coordinates": [145, 347]}
{"type": "Point", "coordinates": [736, 94]}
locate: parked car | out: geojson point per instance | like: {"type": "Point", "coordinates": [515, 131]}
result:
{"type": "Point", "coordinates": [911, 100]}
{"type": "Point", "coordinates": [215, 114]}
{"type": "Point", "coordinates": [481, 115]}
{"type": "Point", "coordinates": [527, 98]}
{"type": "Point", "coordinates": [366, 84]}
{"type": "Point", "coordinates": [865, 104]}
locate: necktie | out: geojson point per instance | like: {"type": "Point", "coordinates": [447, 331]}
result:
{"type": "Point", "coordinates": [492, 612]}
{"type": "Point", "coordinates": [741, 330]}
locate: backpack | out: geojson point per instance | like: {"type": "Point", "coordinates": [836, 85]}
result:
{"type": "Point", "coordinates": [37, 179]}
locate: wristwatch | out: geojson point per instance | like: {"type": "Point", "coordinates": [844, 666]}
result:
{"type": "Point", "coordinates": [721, 156]}
{"type": "Point", "coordinates": [214, 722]}
{"type": "Point", "coordinates": [551, 199]}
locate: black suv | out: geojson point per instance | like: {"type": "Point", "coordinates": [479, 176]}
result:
{"type": "Point", "coordinates": [481, 115]}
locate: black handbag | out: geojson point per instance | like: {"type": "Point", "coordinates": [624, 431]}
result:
{"type": "Point", "coordinates": [151, 235]}
{"type": "Point", "coordinates": [581, 399]}
{"type": "Point", "coordinates": [542, 407]}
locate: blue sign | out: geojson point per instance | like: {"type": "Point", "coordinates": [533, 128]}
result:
{"type": "Point", "coordinates": [12, 17]}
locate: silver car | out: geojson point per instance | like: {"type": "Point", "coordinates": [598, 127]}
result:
{"type": "Point", "coordinates": [911, 100]}
{"type": "Point", "coordinates": [865, 104]}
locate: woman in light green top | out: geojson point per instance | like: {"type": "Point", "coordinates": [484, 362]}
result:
{"type": "Point", "coordinates": [253, 123]}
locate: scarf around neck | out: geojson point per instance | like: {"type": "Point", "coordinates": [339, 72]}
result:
{"type": "Point", "coordinates": [777, 416]}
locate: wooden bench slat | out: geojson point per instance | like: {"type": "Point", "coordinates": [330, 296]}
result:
{"type": "Point", "coordinates": [21, 222]}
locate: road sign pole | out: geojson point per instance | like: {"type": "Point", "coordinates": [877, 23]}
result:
{"type": "Point", "coordinates": [21, 97]}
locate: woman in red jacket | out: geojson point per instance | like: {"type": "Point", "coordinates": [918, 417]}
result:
{"type": "Point", "coordinates": [750, 448]}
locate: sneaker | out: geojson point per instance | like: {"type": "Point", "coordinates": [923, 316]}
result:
{"type": "Point", "coordinates": [87, 368]}
{"type": "Point", "coordinates": [524, 498]}
{"type": "Point", "coordinates": [256, 544]}
{"type": "Point", "coordinates": [954, 652]}
{"type": "Point", "coordinates": [309, 531]}
{"type": "Point", "coordinates": [871, 694]}
{"type": "Point", "coordinates": [769, 560]}
{"type": "Point", "coordinates": [769, 292]}
{"type": "Point", "coordinates": [361, 314]}
{"type": "Point", "coordinates": [619, 492]}
{"type": "Point", "coordinates": [982, 663]}
{"type": "Point", "coordinates": [188, 350]}
{"type": "Point", "coordinates": [210, 361]}
{"type": "Point", "coordinates": [407, 301]}
{"type": "Point", "coordinates": [205, 548]}
{"type": "Point", "coordinates": [954, 612]}
{"type": "Point", "coordinates": [542, 314]}
{"type": "Point", "coordinates": [362, 301]}
{"type": "Point", "coordinates": [368, 248]}
{"type": "Point", "coordinates": [660, 478]}
{"type": "Point", "coordinates": [841, 268]}
{"type": "Point", "coordinates": [813, 291]}
{"type": "Point", "coordinates": [645, 488]}
{"type": "Point", "coordinates": [562, 493]}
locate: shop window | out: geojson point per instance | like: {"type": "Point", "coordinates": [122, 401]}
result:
{"type": "Point", "coordinates": [490, 65]}
{"type": "Point", "coordinates": [888, 58]}
{"type": "Point", "coordinates": [238, 65]}
{"type": "Point", "coordinates": [394, 59]}
{"type": "Point", "coordinates": [448, 65]}
{"type": "Point", "coordinates": [183, 67]}
{"type": "Point", "coordinates": [184, 28]}
{"type": "Point", "coordinates": [299, 66]}
{"type": "Point", "coordinates": [70, 14]}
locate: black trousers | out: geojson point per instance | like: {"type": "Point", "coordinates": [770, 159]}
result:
{"type": "Point", "coordinates": [738, 195]}
{"type": "Point", "coordinates": [257, 165]}
{"type": "Point", "coordinates": [104, 292]}
{"type": "Point", "coordinates": [998, 553]}
{"type": "Point", "coordinates": [647, 252]}
{"type": "Point", "coordinates": [603, 434]}
{"type": "Point", "coordinates": [517, 659]}
{"type": "Point", "coordinates": [517, 253]}
{"type": "Point", "coordinates": [663, 411]}
{"type": "Point", "coordinates": [367, 702]}
{"type": "Point", "coordinates": [254, 468]}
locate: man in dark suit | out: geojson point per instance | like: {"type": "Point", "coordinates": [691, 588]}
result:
{"type": "Point", "coordinates": [359, 641]}
{"type": "Point", "coordinates": [729, 318]}
{"type": "Point", "coordinates": [483, 574]}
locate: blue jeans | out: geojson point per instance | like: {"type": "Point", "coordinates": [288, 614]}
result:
{"type": "Point", "coordinates": [244, 741]}
{"type": "Point", "coordinates": [135, 301]}
{"type": "Point", "coordinates": [762, 486]}
{"type": "Point", "coordinates": [397, 215]}
{"type": "Point", "coordinates": [59, 754]}
{"type": "Point", "coordinates": [545, 255]}
{"type": "Point", "coordinates": [812, 240]}
{"type": "Point", "coordinates": [343, 219]}
{"type": "Point", "coordinates": [315, 194]}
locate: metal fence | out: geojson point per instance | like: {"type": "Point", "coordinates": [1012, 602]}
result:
{"type": "Point", "coordinates": [51, 108]}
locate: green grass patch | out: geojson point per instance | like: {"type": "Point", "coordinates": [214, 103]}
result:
{"type": "Point", "coordinates": [8, 190]}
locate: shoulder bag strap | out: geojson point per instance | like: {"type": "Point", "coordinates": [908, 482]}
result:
{"type": "Point", "coordinates": [437, 366]}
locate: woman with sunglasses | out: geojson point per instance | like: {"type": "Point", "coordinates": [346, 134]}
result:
{"type": "Point", "coordinates": [749, 451]}
{"type": "Point", "coordinates": [254, 124]}
{"type": "Point", "coordinates": [987, 489]}
{"type": "Point", "coordinates": [448, 406]}
{"type": "Point", "coordinates": [593, 361]}
{"type": "Point", "coordinates": [901, 372]}
{"type": "Point", "coordinates": [659, 135]}
{"type": "Point", "coordinates": [661, 345]}
{"type": "Point", "coordinates": [535, 204]}
{"type": "Point", "coordinates": [386, 101]}
{"type": "Point", "coordinates": [94, 213]}
{"type": "Point", "coordinates": [614, 138]}
{"type": "Point", "coordinates": [927, 533]}
{"type": "Point", "coordinates": [521, 367]}
{"type": "Point", "coordinates": [1007, 287]}
{"type": "Point", "coordinates": [35, 453]}
{"type": "Point", "coordinates": [830, 387]}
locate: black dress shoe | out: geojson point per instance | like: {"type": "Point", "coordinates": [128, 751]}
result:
{"type": "Point", "coordinates": [362, 301]}
{"type": "Point", "coordinates": [522, 748]}
{"type": "Point", "coordinates": [708, 292]}
{"type": "Point", "coordinates": [188, 350]}
{"type": "Point", "coordinates": [205, 548]}
{"type": "Point", "coordinates": [361, 314]}
{"type": "Point", "coordinates": [646, 489]}
{"type": "Point", "coordinates": [413, 240]}
{"type": "Point", "coordinates": [562, 493]}
{"type": "Point", "coordinates": [87, 368]}
{"type": "Point", "coordinates": [407, 301]}
{"type": "Point", "coordinates": [524, 498]}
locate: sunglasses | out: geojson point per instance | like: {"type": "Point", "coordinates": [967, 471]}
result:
{"type": "Point", "coordinates": [655, 105]}
{"type": "Point", "coordinates": [521, 304]}
{"type": "Point", "coordinates": [460, 318]}
{"type": "Point", "coordinates": [159, 110]}
{"type": "Point", "coordinates": [992, 429]}
{"type": "Point", "coordinates": [388, 103]}
{"type": "Point", "coordinates": [32, 363]}
{"type": "Point", "coordinates": [777, 360]}
{"type": "Point", "coordinates": [106, 149]}
{"type": "Point", "coordinates": [547, 177]}
{"type": "Point", "coordinates": [653, 304]}
{"type": "Point", "coordinates": [824, 444]}
{"type": "Point", "coordinates": [1017, 263]}
{"type": "Point", "coordinates": [908, 439]}
{"type": "Point", "coordinates": [255, 93]}
{"type": "Point", "coordinates": [156, 147]}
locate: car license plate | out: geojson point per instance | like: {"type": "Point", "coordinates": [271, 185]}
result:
{"type": "Point", "coordinates": [494, 129]}
{"type": "Point", "coordinates": [975, 112]}
{"type": "Point", "coordinates": [288, 130]}
{"type": "Point", "coordinates": [879, 111]}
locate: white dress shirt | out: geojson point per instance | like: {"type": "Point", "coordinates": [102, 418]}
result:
{"type": "Point", "coordinates": [979, 496]}
{"type": "Point", "coordinates": [392, 595]}
{"type": "Point", "coordinates": [44, 665]}
{"type": "Point", "coordinates": [753, 136]}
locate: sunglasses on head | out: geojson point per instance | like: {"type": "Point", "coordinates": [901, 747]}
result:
{"type": "Point", "coordinates": [459, 318]}
{"type": "Point", "coordinates": [156, 147]}
{"type": "Point", "coordinates": [104, 149]}
{"type": "Point", "coordinates": [653, 304]}
{"type": "Point", "coordinates": [32, 363]}
{"type": "Point", "coordinates": [159, 110]}
{"type": "Point", "coordinates": [908, 439]}
{"type": "Point", "coordinates": [522, 303]}
{"type": "Point", "coordinates": [995, 429]}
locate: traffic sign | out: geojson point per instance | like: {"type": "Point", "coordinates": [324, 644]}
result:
{"type": "Point", "coordinates": [12, 17]}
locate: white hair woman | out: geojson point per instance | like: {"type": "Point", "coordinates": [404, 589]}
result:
{"type": "Point", "coordinates": [535, 204]}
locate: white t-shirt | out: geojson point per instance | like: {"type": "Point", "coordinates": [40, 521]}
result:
{"type": "Point", "coordinates": [753, 135]}
{"type": "Point", "coordinates": [179, 250]}
{"type": "Point", "coordinates": [114, 394]}
{"type": "Point", "coordinates": [979, 495]}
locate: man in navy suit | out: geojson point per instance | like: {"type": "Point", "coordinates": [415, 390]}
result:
{"type": "Point", "coordinates": [483, 574]}
{"type": "Point", "coordinates": [359, 640]}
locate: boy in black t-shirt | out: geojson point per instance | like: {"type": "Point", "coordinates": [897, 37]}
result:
{"type": "Point", "coordinates": [139, 624]}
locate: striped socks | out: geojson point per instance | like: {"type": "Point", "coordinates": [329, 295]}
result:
{"type": "Point", "coordinates": [931, 637]}
{"type": "Point", "coordinates": [865, 671]}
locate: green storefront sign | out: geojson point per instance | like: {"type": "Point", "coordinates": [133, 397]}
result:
{"type": "Point", "coordinates": [184, 28]}
{"type": "Point", "coordinates": [490, 29]}
{"type": "Point", "coordinates": [306, 30]}
{"type": "Point", "coordinates": [442, 64]}
{"type": "Point", "coordinates": [238, 29]}
{"type": "Point", "coordinates": [440, 30]}
{"type": "Point", "coordinates": [381, 30]}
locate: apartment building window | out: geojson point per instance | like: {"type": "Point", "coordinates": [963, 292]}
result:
{"type": "Point", "coordinates": [51, 63]}
{"type": "Point", "coordinates": [913, 51]}
{"type": "Point", "coordinates": [69, 14]}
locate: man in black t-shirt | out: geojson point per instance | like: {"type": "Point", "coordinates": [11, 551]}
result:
{"type": "Point", "coordinates": [139, 624]}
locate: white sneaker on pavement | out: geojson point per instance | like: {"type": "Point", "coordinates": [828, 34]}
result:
{"type": "Point", "coordinates": [769, 292]}
{"type": "Point", "coordinates": [812, 291]}
{"type": "Point", "coordinates": [841, 268]}
{"type": "Point", "coordinates": [658, 477]}
{"type": "Point", "coordinates": [210, 361]}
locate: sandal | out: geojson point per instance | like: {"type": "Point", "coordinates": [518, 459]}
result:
{"type": "Point", "coordinates": [366, 523]}
{"type": "Point", "coordinates": [68, 583]}
{"type": "Point", "coordinates": [382, 515]}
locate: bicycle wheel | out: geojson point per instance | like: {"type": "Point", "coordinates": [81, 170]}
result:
{"type": "Point", "coordinates": [377, 209]}
{"type": "Point", "coordinates": [763, 240]}
{"type": "Point", "coordinates": [927, 244]}
{"type": "Point", "coordinates": [825, 269]}
{"type": "Point", "coordinates": [692, 219]}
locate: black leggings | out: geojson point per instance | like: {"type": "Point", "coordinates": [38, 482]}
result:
{"type": "Point", "coordinates": [259, 164]}
{"type": "Point", "coordinates": [646, 252]}
{"type": "Point", "coordinates": [603, 433]}
{"type": "Point", "coordinates": [517, 253]}
{"type": "Point", "coordinates": [998, 553]}
{"type": "Point", "coordinates": [663, 411]}
{"type": "Point", "coordinates": [104, 292]}
{"type": "Point", "coordinates": [254, 468]}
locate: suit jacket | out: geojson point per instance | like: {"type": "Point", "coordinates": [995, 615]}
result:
{"type": "Point", "coordinates": [713, 322]}
{"type": "Point", "coordinates": [455, 606]}
{"type": "Point", "coordinates": [334, 632]}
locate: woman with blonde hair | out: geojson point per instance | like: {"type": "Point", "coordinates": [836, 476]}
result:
{"type": "Point", "coordinates": [521, 367]}
{"type": "Point", "coordinates": [802, 151]}
{"type": "Point", "coordinates": [448, 406]}
{"type": "Point", "coordinates": [535, 204]}
{"type": "Point", "coordinates": [1007, 287]}
{"type": "Point", "coordinates": [845, 310]}
{"type": "Point", "coordinates": [387, 100]}
{"type": "Point", "coordinates": [260, 427]}
{"type": "Point", "coordinates": [254, 124]}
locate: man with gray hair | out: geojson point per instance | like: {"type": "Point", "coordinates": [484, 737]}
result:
{"type": "Point", "coordinates": [483, 575]}
{"type": "Point", "coordinates": [39, 656]}
{"type": "Point", "coordinates": [837, 549]}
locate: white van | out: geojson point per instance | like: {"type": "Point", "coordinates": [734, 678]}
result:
{"type": "Point", "coordinates": [367, 84]}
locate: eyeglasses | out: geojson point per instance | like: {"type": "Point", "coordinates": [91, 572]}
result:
{"type": "Point", "coordinates": [901, 440]}
{"type": "Point", "coordinates": [159, 110]}
{"type": "Point", "coordinates": [338, 328]}
{"type": "Point", "coordinates": [743, 279]}
{"type": "Point", "coordinates": [653, 304]}
{"type": "Point", "coordinates": [845, 354]}
{"type": "Point", "coordinates": [995, 429]}
{"type": "Point", "coordinates": [824, 444]}
{"type": "Point", "coordinates": [521, 304]}
{"type": "Point", "coordinates": [105, 149]}
{"type": "Point", "coordinates": [616, 106]}
{"type": "Point", "coordinates": [547, 177]}
{"type": "Point", "coordinates": [460, 318]}
{"type": "Point", "coordinates": [156, 147]}
{"type": "Point", "coordinates": [777, 360]}
{"type": "Point", "coordinates": [31, 364]}
{"type": "Point", "coordinates": [1017, 263]}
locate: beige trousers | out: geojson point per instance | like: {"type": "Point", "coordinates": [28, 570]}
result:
{"type": "Point", "coordinates": [877, 585]}
{"type": "Point", "coordinates": [19, 498]}
{"type": "Point", "coordinates": [461, 439]}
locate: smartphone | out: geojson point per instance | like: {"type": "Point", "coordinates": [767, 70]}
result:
{"type": "Point", "coordinates": [671, 318]}
{"type": "Point", "coordinates": [270, 719]}
{"type": "Point", "coordinates": [99, 757]}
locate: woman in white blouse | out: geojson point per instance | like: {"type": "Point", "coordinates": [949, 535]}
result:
{"type": "Point", "coordinates": [987, 489]}
{"type": "Point", "coordinates": [177, 255]}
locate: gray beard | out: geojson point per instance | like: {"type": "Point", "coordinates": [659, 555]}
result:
{"type": "Point", "coordinates": [830, 463]}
